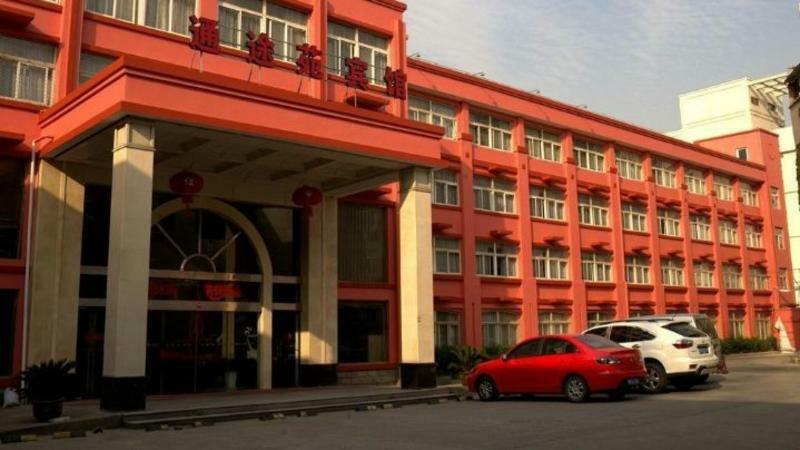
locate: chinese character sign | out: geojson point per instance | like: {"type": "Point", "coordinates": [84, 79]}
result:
{"type": "Point", "coordinates": [205, 34]}
{"type": "Point", "coordinates": [356, 76]}
{"type": "Point", "coordinates": [396, 83]}
{"type": "Point", "coordinates": [309, 62]}
{"type": "Point", "coordinates": [261, 49]}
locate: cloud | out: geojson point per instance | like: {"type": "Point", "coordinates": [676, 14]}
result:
{"type": "Point", "coordinates": [626, 58]}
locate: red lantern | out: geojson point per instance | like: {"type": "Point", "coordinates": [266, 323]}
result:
{"type": "Point", "coordinates": [307, 197]}
{"type": "Point", "coordinates": [187, 184]}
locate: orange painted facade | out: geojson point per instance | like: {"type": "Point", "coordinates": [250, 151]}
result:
{"type": "Point", "coordinates": [158, 77]}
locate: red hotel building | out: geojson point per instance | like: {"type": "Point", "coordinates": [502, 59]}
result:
{"type": "Point", "coordinates": [169, 251]}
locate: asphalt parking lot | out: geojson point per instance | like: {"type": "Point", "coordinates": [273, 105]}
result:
{"type": "Point", "coordinates": [756, 406]}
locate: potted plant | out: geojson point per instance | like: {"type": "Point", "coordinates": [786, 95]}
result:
{"type": "Point", "coordinates": [464, 359]}
{"type": "Point", "coordinates": [46, 385]}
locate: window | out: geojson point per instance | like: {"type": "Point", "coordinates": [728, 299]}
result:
{"type": "Point", "coordinates": [445, 187]}
{"type": "Point", "coordinates": [727, 232]}
{"type": "Point", "coordinates": [550, 263]}
{"type": "Point", "coordinates": [723, 187]}
{"type": "Point", "coordinates": [763, 326]}
{"type": "Point", "coordinates": [783, 279]}
{"type": "Point", "coordinates": [527, 349]}
{"type": "Point", "coordinates": [685, 330]}
{"type": "Point", "coordinates": [496, 260]}
{"type": "Point", "coordinates": [669, 222]}
{"type": "Point", "coordinates": [629, 165]}
{"type": "Point", "coordinates": [695, 181]}
{"type": "Point", "coordinates": [434, 113]}
{"type": "Point", "coordinates": [736, 323]}
{"type": "Point", "coordinates": [593, 210]}
{"type": "Point", "coordinates": [774, 197]}
{"type": "Point", "coordinates": [8, 319]}
{"type": "Point", "coordinates": [285, 27]}
{"type": "Point", "coordinates": [703, 274]}
{"type": "Point", "coordinates": [446, 255]}
{"type": "Point", "coordinates": [749, 194]}
{"type": "Point", "coordinates": [494, 194]}
{"type": "Point", "coordinates": [167, 15]}
{"type": "Point", "coordinates": [752, 234]}
{"type": "Point", "coordinates": [664, 173]}
{"type": "Point", "coordinates": [672, 272]}
{"type": "Point", "coordinates": [624, 333]}
{"type": "Point", "coordinates": [597, 332]}
{"type": "Point", "coordinates": [547, 203]}
{"type": "Point", "coordinates": [732, 276]}
{"type": "Point", "coordinates": [488, 131]}
{"type": "Point", "coordinates": [552, 322]}
{"type": "Point", "coordinates": [362, 243]}
{"type": "Point", "coordinates": [700, 227]}
{"type": "Point", "coordinates": [447, 329]}
{"type": "Point", "coordinates": [741, 153]}
{"type": "Point", "coordinates": [362, 332]}
{"type": "Point", "coordinates": [348, 42]}
{"type": "Point", "coordinates": [759, 281]}
{"type": "Point", "coordinates": [589, 155]}
{"type": "Point", "coordinates": [637, 269]}
{"type": "Point", "coordinates": [779, 239]}
{"type": "Point", "coordinates": [500, 328]}
{"type": "Point", "coordinates": [596, 266]}
{"type": "Point", "coordinates": [26, 70]}
{"type": "Point", "coordinates": [599, 317]}
{"type": "Point", "coordinates": [91, 64]}
{"type": "Point", "coordinates": [543, 144]}
{"type": "Point", "coordinates": [634, 217]}
{"type": "Point", "coordinates": [12, 181]}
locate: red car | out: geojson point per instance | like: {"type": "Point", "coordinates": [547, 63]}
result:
{"type": "Point", "coordinates": [576, 366]}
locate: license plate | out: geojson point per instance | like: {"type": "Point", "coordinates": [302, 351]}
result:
{"type": "Point", "coordinates": [633, 381]}
{"type": "Point", "coordinates": [703, 350]}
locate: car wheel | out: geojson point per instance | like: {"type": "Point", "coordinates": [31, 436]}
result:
{"type": "Point", "coordinates": [656, 380]}
{"type": "Point", "coordinates": [702, 378]}
{"type": "Point", "coordinates": [486, 389]}
{"type": "Point", "coordinates": [576, 389]}
{"type": "Point", "coordinates": [616, 395]}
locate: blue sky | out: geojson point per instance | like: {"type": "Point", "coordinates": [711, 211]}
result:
{"type": "Point", "coordinates": [629, 59]}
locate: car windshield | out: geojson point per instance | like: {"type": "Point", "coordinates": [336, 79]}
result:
{"type": "Point", "coordinates": [595, 341]}
{"type": "Point", "coordinates": [684, 329]}
{"type": "Point", "coordinates": [707, 326]}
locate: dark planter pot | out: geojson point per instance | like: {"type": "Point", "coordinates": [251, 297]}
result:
{"type": "Point", "coordinates": [46, 410]}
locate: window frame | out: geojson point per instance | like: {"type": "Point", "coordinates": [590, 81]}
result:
{"type": "Point", "coordinates": [554, 262]}
{"type": "Point", "coordinates": [589, 155]}
{"type": "Point", "coordinates": [596, 210]}
{"type": "Point", "coordinates": [700, 230]}
{"type": "Point", "coordinates": [543, 144]}
{"type": "Point", "coordinates": [504, 330]}
{"type": "Point", "coordinates": [448, 322]}
{"type": "Point", "coordinates": [669, 222]}
{"type": "Point", "coordinates": [672, 272]}
{"type": "Point", "coordinates": [433, 117]}
{"type": "Point", "coordinates": [495, 255]}
{"type": "Point", "coordinates": [749, 195]}
{"type": "Point", "coordinates": [759, 278]}
{"type": "Point", "coordinates": [476, 128]}
{"type": "Point", "coordinates": [634, 217]}
{"type": "Point", "coordinates": [723, 186]}
{"type": "Point", "coordinates": [731, 276]}
{"type": "Point", "coordinates": [509, 196]}
{"type": "Point", "coordinates": [753, 235]}
{"type": "Point", "coordinates": [20, 63]}
{"type": "Point", "coordinates": [546, 201]}
{"type": "Point", "coordinates": [597, 267]}
{"type": "Point", "coordinates": [637, 269]}
{"type": "Point", "coordinates": [728, 232]}
{"type": "Point", "coordinates": [448, 186]}
{"type": "Point", "coordinates": [553, 323]}
{"type": "Point", "coordinates": [665, 173]}
{"type": "Point", "coordinates": [449, 253]}
{"type": "Point", "coordinates": [630, 165]}
{"type": "Point", "coordinates": [338, 66]}
{"type": "Point", "coordinates": [703, 274]}
{"type": "Point", "coordinates": [139, 14]}
{"type": "Point", "coordinates": [695, 181]}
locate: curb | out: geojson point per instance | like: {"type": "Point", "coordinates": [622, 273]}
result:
{"type": "Point", "coordinates": [195, 417]}
{"type": "Point", "coordinates": [753, 355]}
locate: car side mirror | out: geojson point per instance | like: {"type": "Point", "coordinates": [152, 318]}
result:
{"type": "Point", "coordinates": [504, 357]}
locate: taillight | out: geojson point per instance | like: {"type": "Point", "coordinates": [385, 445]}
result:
{"type": "Point", "coordinates": [683, 343]}
{"type": "Point", "coordinates": [609, 360]}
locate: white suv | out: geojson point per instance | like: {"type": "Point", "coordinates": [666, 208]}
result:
{"type": "Point", "coordinates": [673, 351]}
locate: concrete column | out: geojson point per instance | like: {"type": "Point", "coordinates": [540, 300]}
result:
{"type": "Point", "coordinates": [618, 235]}
{"type": "Point", "coordinates": [123, 386]}
{"type": "Point", "coordinates": [319, 300]}
{"type": "Point", "coordinates": [56, 258]}
{"type": "Point", "coordinates": [417, 369]}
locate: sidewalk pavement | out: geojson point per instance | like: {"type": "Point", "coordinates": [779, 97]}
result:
{"type": "Point", "coordinates": [87, 415]}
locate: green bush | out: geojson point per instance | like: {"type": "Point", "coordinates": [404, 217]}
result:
{"type": "Point", "coordinates": [444, 358]}
{"type": "Point", "coordinates": [495, 351]}
{"type": "Point", "coordinates": [748, 345]}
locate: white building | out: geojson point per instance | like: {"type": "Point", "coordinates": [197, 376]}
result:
{"type": "Point", "coordinates": [742, 105]}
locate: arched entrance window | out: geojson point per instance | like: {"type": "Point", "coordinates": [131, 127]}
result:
{"type": "Point", "coordinates": [209, 300]}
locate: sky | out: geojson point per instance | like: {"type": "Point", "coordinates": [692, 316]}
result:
{"type": "Point", "coordinates": [629, 59]}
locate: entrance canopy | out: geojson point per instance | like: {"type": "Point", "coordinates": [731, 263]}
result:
{"type": "Point", "coordinates": [191, 108]}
